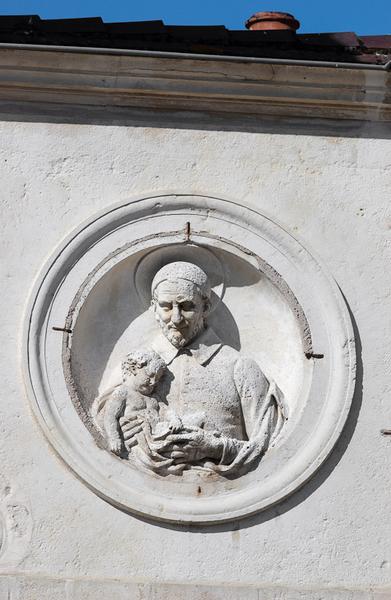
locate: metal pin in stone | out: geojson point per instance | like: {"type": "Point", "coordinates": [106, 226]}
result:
{"type": "Point", "coordinates": [64, 329]}
{"type": "Point", "coordinates": [187, 231]}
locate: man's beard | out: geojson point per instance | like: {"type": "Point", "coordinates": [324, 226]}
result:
{"type": "Point", "coordinates": [175, 336]}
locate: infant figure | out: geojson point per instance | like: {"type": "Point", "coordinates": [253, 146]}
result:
{"type": "Point", "coordinates": [141, 370]}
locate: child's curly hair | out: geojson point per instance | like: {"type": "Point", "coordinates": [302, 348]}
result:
{"type": "Point", "coordinates": [140, 358]}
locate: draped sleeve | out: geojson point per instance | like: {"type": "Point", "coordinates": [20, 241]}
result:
{"type": "Point", "coordinates": [263, 411]}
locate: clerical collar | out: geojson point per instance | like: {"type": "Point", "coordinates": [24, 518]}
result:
{"type": "Point", "coordinates": [202, 348]}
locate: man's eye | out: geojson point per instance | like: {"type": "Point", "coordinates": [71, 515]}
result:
{"type": "Point", "coordinates": [187, 306]}
{"type": "Point", "coordinates": [165, 306]}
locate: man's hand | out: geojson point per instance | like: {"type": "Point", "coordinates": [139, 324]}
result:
{"type": "Point", "coordinates": [192, 445]}
{"type": "Point", "coordinates": [130, 427]}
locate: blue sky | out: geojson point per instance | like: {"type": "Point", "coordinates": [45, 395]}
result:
{"type": "Point", "coordinates": [361, 16]}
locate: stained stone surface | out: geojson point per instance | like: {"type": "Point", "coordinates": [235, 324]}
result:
{"type": "Point", "coordinates": [212, 427]}
{"type": "Point", "coordinates": [330, 539]}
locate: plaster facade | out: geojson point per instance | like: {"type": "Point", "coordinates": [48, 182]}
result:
{"type": "Point", "coordinates": [325, 181]}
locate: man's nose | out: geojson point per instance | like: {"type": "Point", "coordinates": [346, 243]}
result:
{"type": "Point", "coordinates": [176, 316]}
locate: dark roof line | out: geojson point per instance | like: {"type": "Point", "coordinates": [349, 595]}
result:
{"type": "Point", "coordinates": [214, 40]}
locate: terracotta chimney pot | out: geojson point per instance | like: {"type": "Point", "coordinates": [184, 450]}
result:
{"type": "Point", "coordinates": [268, 21]}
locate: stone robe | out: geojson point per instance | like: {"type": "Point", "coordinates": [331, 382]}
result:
{"type": "Point", "coordinates": [230, 394]}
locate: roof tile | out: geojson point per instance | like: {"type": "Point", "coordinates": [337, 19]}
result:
{"type": "Point", "coordinates": [155, 35]}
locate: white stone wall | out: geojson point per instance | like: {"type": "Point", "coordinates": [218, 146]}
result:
{"type": "Point", "coordinates": [331, 539]}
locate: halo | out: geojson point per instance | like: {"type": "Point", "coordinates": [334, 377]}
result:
{"type": "Point", "coordinates": [201, 256]}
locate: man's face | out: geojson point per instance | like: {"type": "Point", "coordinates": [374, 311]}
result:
{"type": "Point", "coordinates": [179, 310]}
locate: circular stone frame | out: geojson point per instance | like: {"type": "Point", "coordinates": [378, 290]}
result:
{"type": "Point", "coordinates": [311, 291]}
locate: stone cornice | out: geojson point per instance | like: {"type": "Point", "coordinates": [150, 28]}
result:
{"type": "Point", "coordinates": [232, 87]}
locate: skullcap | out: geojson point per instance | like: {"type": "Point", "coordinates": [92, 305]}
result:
{"type": "Point", "coordinates": [183, 270]}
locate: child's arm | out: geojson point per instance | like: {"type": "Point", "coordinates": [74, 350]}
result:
{"type": "Point", "coordinates": [113, 409]}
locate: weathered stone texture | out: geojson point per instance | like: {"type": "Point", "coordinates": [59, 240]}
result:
{"type": "Point", "coordinates": [333, 194]}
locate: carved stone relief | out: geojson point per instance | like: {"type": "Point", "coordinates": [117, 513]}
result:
{"type": "Point", "coordinates": [190, 401]}
{"type": "Point", "coordinates": [178, 376]}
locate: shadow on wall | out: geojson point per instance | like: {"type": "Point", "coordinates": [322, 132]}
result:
{"type": "Point", "coordinates": [201, 121]}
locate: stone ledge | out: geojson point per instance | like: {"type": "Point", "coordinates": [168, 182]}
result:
{"type": "Point", "coordinates": [30, 587]}
{"type": "Point", "coordinates": [246, 88]}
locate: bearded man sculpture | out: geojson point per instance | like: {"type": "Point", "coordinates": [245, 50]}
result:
{"type": "Point", "coordinates": [217, 410]}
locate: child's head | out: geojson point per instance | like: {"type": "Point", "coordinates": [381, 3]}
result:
{"type": "Point", "coordinates": [142, 369]}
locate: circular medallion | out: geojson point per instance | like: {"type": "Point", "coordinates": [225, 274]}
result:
{"type": "Point", "coordinates": [188, 358]}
